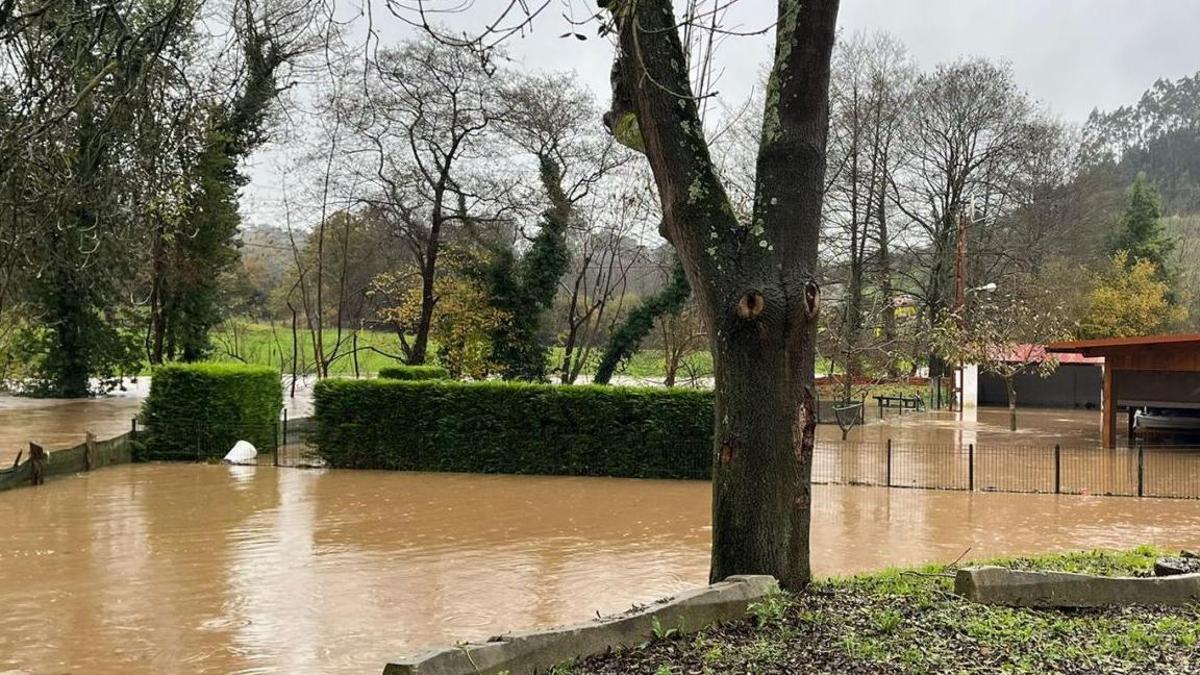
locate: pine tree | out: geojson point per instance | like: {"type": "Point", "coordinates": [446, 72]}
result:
{"type": "Point", "coordinates": [1141, 232]}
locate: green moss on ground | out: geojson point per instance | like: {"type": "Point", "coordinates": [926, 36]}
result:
{"type": "Point", "coordinates": [909, 621]}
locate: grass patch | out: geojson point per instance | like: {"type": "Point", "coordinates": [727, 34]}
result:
{"type": "Point", "coordinates": [909, 621]}
{"type": "Point", "coordinates": [262, 343]}
{"type": "Point", "coordinates": [266, 344]}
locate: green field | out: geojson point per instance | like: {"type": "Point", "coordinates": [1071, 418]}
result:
{"type": "Point", "coordinates": [266, 344]}
{"type": "Point", "coordinates": [271, 345]}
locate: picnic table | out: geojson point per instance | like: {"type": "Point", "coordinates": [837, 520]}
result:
{"type": "Point", "coordinates": [901, 402]}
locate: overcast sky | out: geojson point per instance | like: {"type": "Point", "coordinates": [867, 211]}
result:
{"type": "Point", "coordinates": [1071, 55]}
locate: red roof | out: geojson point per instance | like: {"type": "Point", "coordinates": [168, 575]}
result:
{"type": "Point", "coordinates": [1028, 353]}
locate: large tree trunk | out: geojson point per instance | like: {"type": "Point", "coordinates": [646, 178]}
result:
{"type": "Point", "coordinates": [754, 282]}
{"type": "Point", "coordinates": [71, 352]}
{"type": "Point", "coordinates": [763, 464]}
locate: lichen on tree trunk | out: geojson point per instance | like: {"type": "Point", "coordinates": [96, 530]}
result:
{"type": "Point", "coordinates": [753, 281]}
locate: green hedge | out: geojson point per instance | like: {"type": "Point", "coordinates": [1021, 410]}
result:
{"type": "Point", "coordinates": [201, 410]}
{"type": "Point", "coordinates": [414, 373]}
{"type": "Point", "coordinates": [495, 427]}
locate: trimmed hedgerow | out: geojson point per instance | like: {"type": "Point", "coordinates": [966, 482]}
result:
{"type": "Point", "coordinates": [504, 427]}
{"type": "Point", "coordinates": [414, 373]}
{"type": "Point", "coordinates": [202, 409]}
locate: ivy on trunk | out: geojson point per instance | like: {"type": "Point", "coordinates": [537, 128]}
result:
{"type": "Point", "coordinates": [524, 289]}
{"type": "Point", "coordinates": [628, 336]}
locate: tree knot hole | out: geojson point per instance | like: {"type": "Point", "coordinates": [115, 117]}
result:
{"type": "Point", "coordinates": [728, 450]}
{"type": "Point", "coordinates": [751, 304]}
{"type": "Point", "coordinates": [812, 299]}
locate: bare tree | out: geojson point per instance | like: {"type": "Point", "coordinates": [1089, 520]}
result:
{"type": "Point", "coordinates": [606, 252]}
{"type": "Point", "coordinates": [754, 281]}
{"type": "Point", "coordinates": [872, 78]}
{"type": "Point", "coordinates": [681, 335]}
{"type": "Point", "coordinates": [1005, 336]}
{"type": "Point", "coordinates": [419, 116]}
{"type": "Point", "coordinates": [547, 118]}
{"type": "Point", "coordinates": [970, 132]}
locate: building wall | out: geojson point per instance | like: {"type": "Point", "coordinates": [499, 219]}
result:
{"type": "Point", "coordinates": [1071, 386]}
{"type": "Point", "coordinates": [1148, 387]}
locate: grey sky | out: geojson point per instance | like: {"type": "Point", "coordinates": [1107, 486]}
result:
{"type": "Point", "coordinates": [1071, 55]}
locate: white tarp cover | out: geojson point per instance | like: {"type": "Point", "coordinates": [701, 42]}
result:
{"type": "Point", "coordinates": [242, 453]}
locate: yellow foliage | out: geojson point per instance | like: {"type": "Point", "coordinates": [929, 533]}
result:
{"type": "Point", "coordinates": [1128, 301]}
{"type": "Point", "coordinates": [463, 318]}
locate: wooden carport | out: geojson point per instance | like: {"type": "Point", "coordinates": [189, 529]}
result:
{"type": "Point", "coordinates": [1157, 371]}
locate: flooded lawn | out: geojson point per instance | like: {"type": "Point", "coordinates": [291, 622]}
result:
{"type": "Point", "coordinates": [1073, 428]}
{"type": "Point", "coordinates": [62, 423]}
{"type": "Point", "coordinates": [194, 568]}
{"type": "Point", "coordinates": [59, 423]}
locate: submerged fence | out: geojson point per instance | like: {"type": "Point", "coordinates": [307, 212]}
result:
{"type": "Point", "coordinates": [1134, 472]}
{"type": "Point", "coordinates": [91, 454]}
{"type": "Point", "coordinates": [1143, 471]}
{"type": "Point", "coordinates": [284, 443]}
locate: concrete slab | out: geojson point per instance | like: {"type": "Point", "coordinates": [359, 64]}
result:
{"type": "Point", "coordinates": [537, 652]}
{"type": "Point", "coordinates": [1016, 588]}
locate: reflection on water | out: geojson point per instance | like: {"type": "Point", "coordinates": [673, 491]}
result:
{"type": "Point", "coordinates": [1074, 428]}
{"type": "Point", "coordinates": [63, 423]}
{"type": "Point", "coordinates": [193, 568]}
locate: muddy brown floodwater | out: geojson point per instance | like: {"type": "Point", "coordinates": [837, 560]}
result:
{"type": "Point", "coordinates": [1072, 428]}
{"type": "Point", "coordinates": [211, 569]}
{"type": "Point", "coordinates": [62, 423]}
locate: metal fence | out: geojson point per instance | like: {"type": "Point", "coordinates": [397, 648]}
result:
{"type": "Point", "coordinates": [295, 448]}
{"type": "Point", "coordinates": [1135, 472]}
{"type": "Point", "coordinates": [211, 442]}
{"type": "Point", "coordinates": [1142, 471]}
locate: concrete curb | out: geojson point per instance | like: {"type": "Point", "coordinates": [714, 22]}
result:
{"type": "Point", "coordinates": [537, 652]}
{"type": "Point", "coordinates": [1015, 588]}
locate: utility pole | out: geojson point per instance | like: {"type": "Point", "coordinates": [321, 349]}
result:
{"type": "Point", "coordinates": [960, 265]}
{"type": "Point", "coordinates": [960, 293]}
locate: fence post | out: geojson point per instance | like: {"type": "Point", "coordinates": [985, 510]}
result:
{"type": "Point", "coordinates": [889, 463]}
{"type": "Point", "coordinates": [278, 445]}
{"type": "Point", "coordinates": [37, 464]}
{"type": "Point", "coordinates": [90, 456]}
{"type": "Point", "coordinates": [1057, 469]}
{"type": "Point", "coordinates": [1141, 469]}
{"type": "Point", "coordinates": [970, 467]}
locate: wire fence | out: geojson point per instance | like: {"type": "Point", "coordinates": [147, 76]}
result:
{"type": "Point", "coordinates": [296, 448]}
{"type": "Point", "coordinates": [283, 443]}
{"type": "Point", "coordinates": [1157, 471]}
{"type": "Point", "coordinates": [204, 442]}
{"type": "Point", "coordinates": [1142, 471]}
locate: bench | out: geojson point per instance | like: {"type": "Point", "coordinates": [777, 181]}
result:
{"type": "Point", "coordinates": [901, 402]}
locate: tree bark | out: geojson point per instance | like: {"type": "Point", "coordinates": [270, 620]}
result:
{"type": "Point", "coordinates": [420, 344]}
{"type": "Point", "coordinates": [754, 282]}
{"type": "Point", "coordinates": [1012, 402]}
